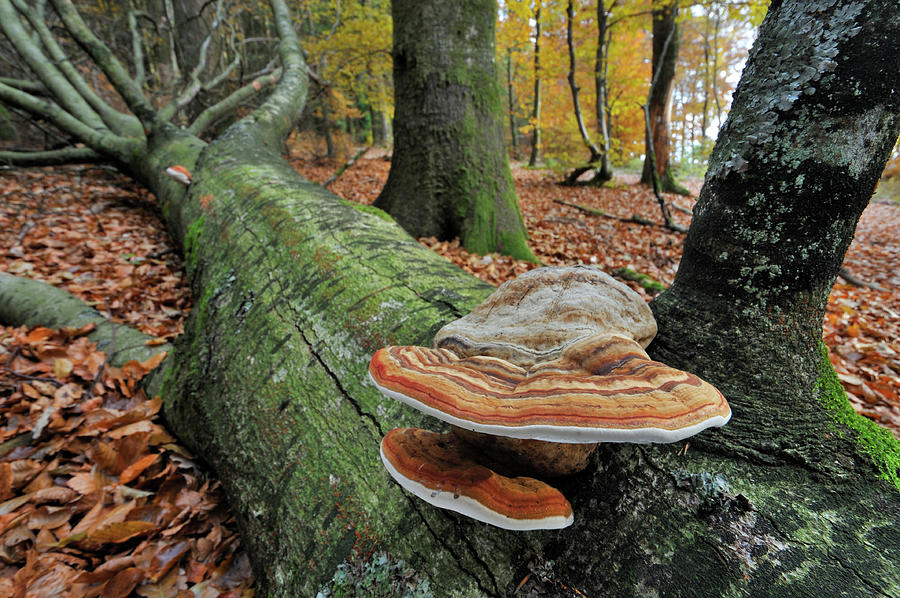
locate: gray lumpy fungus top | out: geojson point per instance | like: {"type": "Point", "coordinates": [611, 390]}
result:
{"type": "Point", "coordinates": [531, 318]}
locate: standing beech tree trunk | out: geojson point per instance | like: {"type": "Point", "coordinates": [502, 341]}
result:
{"type": "Point", "coordinates": [511, 106]}
{"type": "Point", "coordinates": [659, 100]}
{"type": "Point", "coordinates": [295, 289]}
{"type": "Point", "coordinates": [450, 173]}
{"type": "Point", "coordinates": [795, 165]}
{"type": "Point", "coordinates": [593, 162]}
{"type": "Point", "coordinates": [600, 70]}
{"type": "Point", "coordinates": [536, 107]}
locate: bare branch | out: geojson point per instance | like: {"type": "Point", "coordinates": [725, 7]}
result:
{"type": "Point", "coordinates": [101, 54]}
{"type": "Point", "coordinates": [279, 112]}
{"type": "Point", "coordinates": [137, 45]}
{"type": "Point", "coordinates": [346, 165]}
{"type": "Point", "coordinates": [663, 206]}
{"type": "Point", "coordinates": [35, 87]}
{"type": "Point", "coordinates": [66, 155]}
{"type": "Point", "coordinates": [223, 76]}
{"type": "Point", "coordinates": [173, 55]}
{"type": "Point", "coordinates": [227, 105]}
{"type": "Point", "coordinates": [123, 124]}
{"type": "Point", "coordinates": [196, 85]}
{"type": "Point", "coordinates": [113, 144]}
{"type": "Point", "coordinates": [53, 79]}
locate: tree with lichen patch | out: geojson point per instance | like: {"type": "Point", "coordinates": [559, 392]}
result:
{"type": "Point", "coordinates": [450, 173]}
{"type": "Point", "coordinates": [295, 289]}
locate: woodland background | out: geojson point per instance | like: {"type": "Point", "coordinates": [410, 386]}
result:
{"type": "Point", "coordinates": [135, 513]}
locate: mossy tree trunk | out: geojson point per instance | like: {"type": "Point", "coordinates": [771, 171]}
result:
{"type": "Point", "coordinates": [797, 160]}
{"type": "Point", "coordinates": [450, 173]}
{"type": "Point", "coordinates": [295, 288]}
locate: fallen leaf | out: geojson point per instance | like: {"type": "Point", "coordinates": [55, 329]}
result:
{"type": "Point", "coordinates": [135, 469]}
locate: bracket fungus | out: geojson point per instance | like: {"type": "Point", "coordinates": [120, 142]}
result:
{"type": "Point", "coordinates": [549, 365]}
{"type": "Point", "coordinates": [179, 173]}
{"type": "Point", "coordinates": [441, 469]}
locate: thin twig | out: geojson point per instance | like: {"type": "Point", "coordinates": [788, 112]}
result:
{"type": "Point", "coordinates": [859, 283]}
{"type": "Point", "coordinates": [635, 219]}
{"type": "Point", "coordinates": [346, 165]}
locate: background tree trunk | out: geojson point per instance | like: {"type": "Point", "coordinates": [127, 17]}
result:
{"type": "Point", "coordinates": [511, 107]}
{"type": "Point", "coordinates": [536, 107]}
{"type": "Point", "coordinates": [659, 100]}
{"type": "Point", "coordinates": [600, 70]}
{"type": "Point", "coordinates": [450, 173]}
{"type": "Point", "coordinates": [593, 162]}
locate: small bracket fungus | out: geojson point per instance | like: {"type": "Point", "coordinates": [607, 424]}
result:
{"type": "Point", "coordinates": [440, 469]}
{"type": "Point", "coordinates": [180, 174]}
{"type": "Point", "coordinates": [535, 377]}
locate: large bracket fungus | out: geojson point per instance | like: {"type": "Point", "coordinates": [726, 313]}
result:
{"type": "Point", "coordinates": [549, 365]}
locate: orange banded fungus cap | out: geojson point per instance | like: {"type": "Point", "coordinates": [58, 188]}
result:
{"type": "Point", "coordinates": [439, 469]}
{"type": "Point", "coordinates": [602, 388]}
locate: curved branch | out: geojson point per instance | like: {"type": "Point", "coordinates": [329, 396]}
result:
{"type": "Point", "coordinates": [206, 118]}
{"type": "Point", "coordinates": [112, 68]}
{"type": "Point", "coordinates": [66, 155]}
{"type": "Point", "coordinates": [101, 140]}
{"type": "Point", "coordinates": [119, 122]}
{"type": "Point", "coordinates": [65, 94]}
{"type": "Point", "coordinates": [223, 76]}
{"type": "Point", "coordinates": [137, 48]}
{"type": "Point", "coordinates": [34, 87]}
{"type": "Point", "coordinates": [196, 85]}
{"type": "Point", "coordinates": [276, 116]}
{"type": "Point", "coordinates": [173, 54]}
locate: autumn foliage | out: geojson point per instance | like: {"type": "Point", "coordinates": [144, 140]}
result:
{"type": "Point", "coordinates": [97, 498]}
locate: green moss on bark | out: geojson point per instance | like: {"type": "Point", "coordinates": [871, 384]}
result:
{"type": "Point", "coordinates": [194, 232]}
{"type": "Point", "coordinates": [877, 443]}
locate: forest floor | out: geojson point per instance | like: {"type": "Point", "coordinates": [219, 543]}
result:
{"type": "Point", "coordinates": [97, 499]}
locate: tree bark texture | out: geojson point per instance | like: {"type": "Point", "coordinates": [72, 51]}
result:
{"type": "Point", "coordinates": [659, 101]}
{"type": "Point", "coordinates": [810, 128]}
{"type": "Point", "coordinates": [450, 173]}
